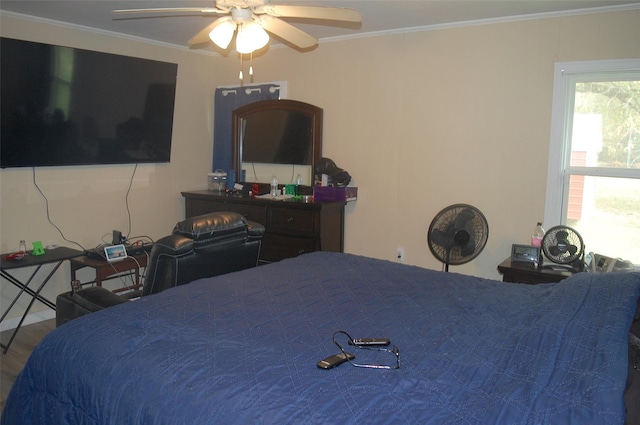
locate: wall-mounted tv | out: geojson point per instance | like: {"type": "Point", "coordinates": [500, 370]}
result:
{"type": "Point", "coordinates": [63, 106]}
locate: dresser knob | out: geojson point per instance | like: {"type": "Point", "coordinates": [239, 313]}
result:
{"type": "Point", "coordinates": [290, 220]}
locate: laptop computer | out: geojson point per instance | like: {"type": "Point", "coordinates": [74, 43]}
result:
{"type": "Point", "coordinates": [115, 252]}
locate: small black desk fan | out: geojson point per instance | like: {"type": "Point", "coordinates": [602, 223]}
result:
{"type": "Point", "coordinates": [563, 245]}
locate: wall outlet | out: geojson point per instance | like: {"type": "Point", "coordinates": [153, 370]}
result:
{"type": "Point", "coordinates": [400, 255]}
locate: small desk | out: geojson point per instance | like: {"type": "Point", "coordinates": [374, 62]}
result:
{"type": "Point", "coordinates": [521, 272]}
{"type": "Point", "coordinates": [54, 256]}
{"type": "Point", "coordinates": [107, 270]}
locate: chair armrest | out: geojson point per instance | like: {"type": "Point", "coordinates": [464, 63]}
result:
{"type": "Point", "coordinates": [254, 230]}
{"type": "Point", "coordinates": [96, 298]}
{"type": "Point", "coordinates": [70, 305]}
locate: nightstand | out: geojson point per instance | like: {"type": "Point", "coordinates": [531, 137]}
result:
{"type": "Point", "coordinates": [105, 270]}
{"type": "Point", "coordinates": [521, 272]}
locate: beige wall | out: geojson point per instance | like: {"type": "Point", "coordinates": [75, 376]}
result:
{"type": "Point", "coordinates": [424, 120]}
{"type": "Point", "coordinates": [420, 120]}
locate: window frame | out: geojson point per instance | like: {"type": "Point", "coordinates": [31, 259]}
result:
{"type": "Point", "coordinates": [566, 75]}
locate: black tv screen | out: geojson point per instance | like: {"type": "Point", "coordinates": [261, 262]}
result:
{"type": "Point", "coordinates": [64, 106]}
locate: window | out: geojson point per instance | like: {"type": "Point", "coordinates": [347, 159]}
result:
{"type": "Point", "coordinates": [593, 181]}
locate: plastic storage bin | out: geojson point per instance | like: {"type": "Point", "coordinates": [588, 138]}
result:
{"type": "Point", "coordinates": [217, 181]}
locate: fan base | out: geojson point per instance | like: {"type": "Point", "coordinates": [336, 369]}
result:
{"type": "Point", "coordinates": [575, 267]}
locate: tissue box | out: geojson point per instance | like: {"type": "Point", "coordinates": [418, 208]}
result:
{"type": "Point", "coordinates": [331, 193]}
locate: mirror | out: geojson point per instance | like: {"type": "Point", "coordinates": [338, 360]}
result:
{"type": "Point", "coordinates": [281, 138]}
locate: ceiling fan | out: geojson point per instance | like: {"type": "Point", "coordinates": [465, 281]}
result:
{"type": "Point", "coordinates": [251, 18]}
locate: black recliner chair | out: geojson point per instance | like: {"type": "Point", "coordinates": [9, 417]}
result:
{"type": "Point", "coordinates": [199, 247]}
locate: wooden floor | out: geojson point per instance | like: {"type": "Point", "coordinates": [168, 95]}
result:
{"type": "Point", "coordinates": [12, 363]}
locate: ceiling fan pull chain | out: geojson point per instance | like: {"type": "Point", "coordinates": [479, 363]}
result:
{"type": "Point", "coordinates": [241, 76]}
{"type": "Point", "coordinates": [251, 67]}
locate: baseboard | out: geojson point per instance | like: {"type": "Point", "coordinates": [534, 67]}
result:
{"type": "Point", "coordinates": [31, 318]}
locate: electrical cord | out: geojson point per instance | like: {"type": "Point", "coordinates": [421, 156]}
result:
{"type": "Point", "coordinates": [126, 198]}
{"type": "Point", "coordinates": [123, 278]}
{"type": "Point", "coordinates": [293, 172]}
{"type": "Point", "coordinates": [46, 202]}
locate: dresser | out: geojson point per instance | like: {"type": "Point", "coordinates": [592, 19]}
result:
{"type": "Point", "coordinates": [292, 226]}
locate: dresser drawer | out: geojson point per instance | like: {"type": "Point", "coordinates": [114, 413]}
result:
{"type": "Point", "coordinates": [196, 207]}
{"type": "Point", "coordinates": [250, 212]}
{"type": "Point", "coordinates": [276, 247]}
{"type": "Point", "coordinates": [290, 220]}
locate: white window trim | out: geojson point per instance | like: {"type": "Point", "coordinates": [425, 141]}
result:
{"type": "Point", "coordinates": [555, 211]}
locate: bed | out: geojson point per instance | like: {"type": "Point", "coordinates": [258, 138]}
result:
{"type": "Point", "coordinates": [243, 348]}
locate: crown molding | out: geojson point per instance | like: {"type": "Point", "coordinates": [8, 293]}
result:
{"type": "Point", "coordinates": [489, 21]}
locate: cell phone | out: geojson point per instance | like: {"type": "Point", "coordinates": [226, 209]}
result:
{"type": "Point", "coordinates": [335, 360]}
{"type": "Point", "coordinates": [369, 341]}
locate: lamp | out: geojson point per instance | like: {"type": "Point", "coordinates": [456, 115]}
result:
{"type": "Point", "coordinates": [222, 34]}
{"type": "Point", "coordinates": [250, 38]}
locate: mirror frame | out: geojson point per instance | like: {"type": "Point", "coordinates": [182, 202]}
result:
{"type": "Point", "coordinates": [243, 112]}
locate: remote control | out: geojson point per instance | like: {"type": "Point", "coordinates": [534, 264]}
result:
{"type": "Point", "coordinates": [335, 360]}
{"type": "Point", "coordinates": [370, 341]}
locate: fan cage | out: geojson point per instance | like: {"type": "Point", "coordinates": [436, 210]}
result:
{"type": "Point", "coordinates": [550, 240]}
{"type": "Point", "coordinates": [477, 227]}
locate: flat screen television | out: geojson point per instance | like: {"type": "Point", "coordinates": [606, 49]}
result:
{"type": "Point", "coordinates": [64, 106]}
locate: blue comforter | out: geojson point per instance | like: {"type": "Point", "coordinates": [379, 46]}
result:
{"type": "Point", "coordinates": [242, 349]}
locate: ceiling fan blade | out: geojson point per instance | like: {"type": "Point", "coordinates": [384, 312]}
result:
{"type": "Point", "coordinates": [287, 32]}
{"type": "Point", "coordinates": [311, 12]}
{"type": "Point", "coordinates": [203, 36]}
{"type": "Point", "coordinates": [203, 10]}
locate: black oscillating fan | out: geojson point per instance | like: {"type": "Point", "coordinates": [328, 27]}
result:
{"type": "Point", "coordinates": [563, 245]}
{"type": "Point", "coordinates": [457, 234]}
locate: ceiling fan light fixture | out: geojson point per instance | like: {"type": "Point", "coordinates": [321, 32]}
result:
{"type": "Point", "coordinates": [251, 37]}
{"type": "Point", "coordinates": [222, 34]}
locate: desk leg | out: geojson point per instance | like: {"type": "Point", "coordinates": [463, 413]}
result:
{"type": "Point", "coordinates": [35, 295]}
{"type": "Point", "coordinates": [73, 268]}
{"type": "Point", "coordinates": [24, 287]}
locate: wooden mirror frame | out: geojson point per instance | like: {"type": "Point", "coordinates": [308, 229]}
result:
{"type": "Point", "coordinates": [277, 104]}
